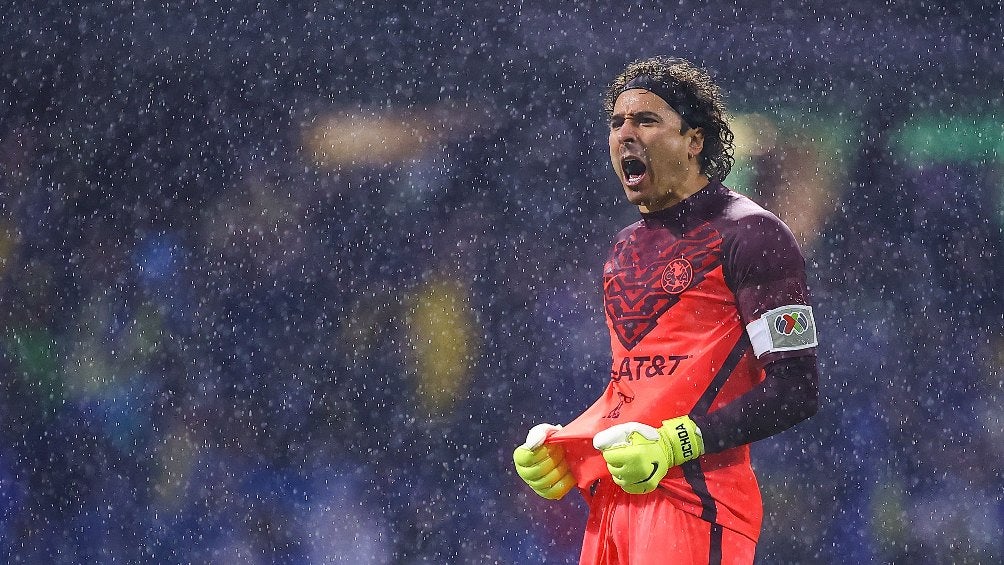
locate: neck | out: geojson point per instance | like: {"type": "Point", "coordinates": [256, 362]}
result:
{"type": "Point", "coordinates": [691, 186]}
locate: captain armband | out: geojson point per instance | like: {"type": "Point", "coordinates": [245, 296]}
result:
{"type": "Point", "coordinates": [787, 328]}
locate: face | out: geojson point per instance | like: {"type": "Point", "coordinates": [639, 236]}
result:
{"type": "Point", "coordinates": [656, 164]}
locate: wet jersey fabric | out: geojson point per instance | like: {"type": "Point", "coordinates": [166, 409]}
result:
{"type": "Point", "coordinates": [628, 529]}
{"type": "Point", "coordinates": [679, 288]}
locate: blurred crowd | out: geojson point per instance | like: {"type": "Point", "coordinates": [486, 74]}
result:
{"type": "Point", "coordinates": [242, 324]}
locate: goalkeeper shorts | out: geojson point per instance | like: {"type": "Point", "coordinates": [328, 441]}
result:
{"type": "Point", "coordinates": [648, 529]}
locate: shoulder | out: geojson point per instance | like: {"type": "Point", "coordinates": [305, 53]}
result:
{"type": "Point", "coordinates": [757, 245]}
{"type": "Point", "coordinates": [747, 214]}
{"type": "Point", "coordinates": [745, 221]}
{"type": "Point", "coordinates": [626, 232]}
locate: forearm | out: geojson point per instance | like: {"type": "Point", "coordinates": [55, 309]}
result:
{"type": "Point", "coordinates": [788, 395]}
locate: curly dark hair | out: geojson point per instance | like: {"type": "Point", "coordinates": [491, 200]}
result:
{"type": "Point", "coordinates": [695, 97]}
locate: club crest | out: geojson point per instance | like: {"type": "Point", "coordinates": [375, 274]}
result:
{"type": "Point", "coordinates": [638, 290]}
{"type": "Point", "coordinates": [677, 276]}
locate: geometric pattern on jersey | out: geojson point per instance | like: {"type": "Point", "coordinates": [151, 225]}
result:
{"type": "Point", "coordinates": [635, 297]}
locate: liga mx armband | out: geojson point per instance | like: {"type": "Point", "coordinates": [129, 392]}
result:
{"type": "Point", "coordinates": [787, 328]}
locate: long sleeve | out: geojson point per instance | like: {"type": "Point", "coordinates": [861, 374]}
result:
{"type": "Point", "coordinates": [788, 395]}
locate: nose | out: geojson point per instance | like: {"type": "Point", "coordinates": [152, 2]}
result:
{"type": "Point", "coordinates": [626, 132]}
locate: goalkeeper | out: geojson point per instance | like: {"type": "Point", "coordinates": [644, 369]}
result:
{"type": "Point", "coordinates": [712, 336]}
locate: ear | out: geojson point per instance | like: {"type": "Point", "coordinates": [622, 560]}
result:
{"type": "Point", "coordinates": [696, 144]}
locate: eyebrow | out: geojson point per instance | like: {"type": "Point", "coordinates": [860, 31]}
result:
{"type": "Point", "coordinates": [641, 114]}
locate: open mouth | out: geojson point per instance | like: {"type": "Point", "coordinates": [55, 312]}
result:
{"type": "Point", "coordinates": [634, 170]}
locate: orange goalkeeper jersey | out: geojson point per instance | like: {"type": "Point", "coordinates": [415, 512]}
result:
{"type": "Point", "coordinates": [680, 288]}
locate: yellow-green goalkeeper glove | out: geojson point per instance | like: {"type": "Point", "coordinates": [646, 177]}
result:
{"type": "Point", "coordinates": [543, 467]}
{"type": "Point", "coordinates": [639, 456]}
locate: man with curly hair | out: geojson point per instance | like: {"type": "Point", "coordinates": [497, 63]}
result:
{"type": "Point", "coordinates": [712, 338]}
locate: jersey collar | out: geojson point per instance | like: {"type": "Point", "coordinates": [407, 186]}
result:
{"type": "Point", "coordinates": [692, 208]}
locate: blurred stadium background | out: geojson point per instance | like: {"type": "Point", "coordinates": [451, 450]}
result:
{"type": "Point", "coordinates": [287, 284]}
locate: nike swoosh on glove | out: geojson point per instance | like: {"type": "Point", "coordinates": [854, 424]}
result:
{"type": "Point", "coordinates": [638, 456]}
